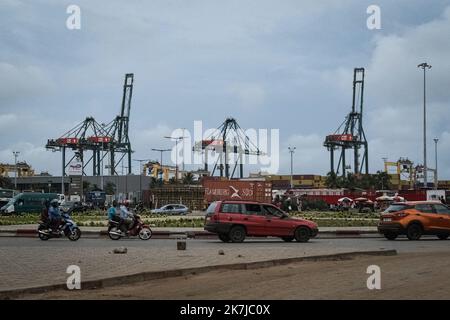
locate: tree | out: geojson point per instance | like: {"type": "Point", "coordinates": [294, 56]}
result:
{"type": "Point", "coordinates": [110, 188]}
{"type": "Point", "coordinates": [173, 180]}
{"type": "Point", "coordinates": [332, 180]}
{"type": "Point", "coordinates": [366, 182]}
{"type": "Point", "coordinates": [188, 178]}
{"type": "Point", "coordinates": [154, 182]}
{"type": "Point", "coordinates": [86, 186]}
{"type": "Point", "coordinates": [5, 183]}
{"type": "Point", "coordinates": [382, 180]}
{"type": "Point", "coordinates": [350, 181]}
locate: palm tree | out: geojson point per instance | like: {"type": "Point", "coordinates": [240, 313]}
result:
{"type": "Point", "coordinates": [332, 180]}
{"type": "Point", "coordinates": [382, 180]}
{"type": "Point", "coordinates": [5, 182]}
{"type": "Point", "coordinates": [110, 188]}
{"type": "Point", "coordinates": [188, 178]}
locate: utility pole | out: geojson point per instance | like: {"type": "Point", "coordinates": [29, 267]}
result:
{"type": "Point", "coordinates": [140, 175]}
{"type": "Point", "coordinates": [177, 139]}
{"type": "Point", "coordinates": [16, 154]}
{"type": "Point", "coordinates": [382, 180]}
{"type": "Point", "coordinates": [424, 66]}
{"type": "Point", "coordinates": [291, 151]}
{"type": "Point", "coordinates": [436, 180]}
{"type": "Point", "coordinates": [161, 162]}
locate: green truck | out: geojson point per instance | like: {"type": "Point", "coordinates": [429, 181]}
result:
{"type": "Point", "coordinates": [29, 202]}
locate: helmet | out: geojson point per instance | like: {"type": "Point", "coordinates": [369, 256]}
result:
{"type": "Point", "coordinates": [54, 203]}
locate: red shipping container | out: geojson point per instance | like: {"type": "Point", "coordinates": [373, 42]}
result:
{"type": "Point", "coordinates": [237, 190]}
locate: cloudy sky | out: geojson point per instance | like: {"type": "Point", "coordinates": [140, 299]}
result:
{"type": "Point", "coordinates": [284, 65]}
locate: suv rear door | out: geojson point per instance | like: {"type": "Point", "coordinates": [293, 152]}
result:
{"type": "Point", "coordinates": [427, 211]}
{"type": "Point", "coordinates": [230, 213]}
{"type": "Point", "coordinates": [254, 219]}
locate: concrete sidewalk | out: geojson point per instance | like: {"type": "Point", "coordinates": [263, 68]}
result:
{"type": "Point", "coordinates": [29, 230]}
{"type": "Point", "coordinates": [30, 263]}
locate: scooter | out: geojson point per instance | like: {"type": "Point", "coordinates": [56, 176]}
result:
{"type": "Point", "coordinates": [138, 228]}
{"type": "Point", "coordinates": [67, 228]}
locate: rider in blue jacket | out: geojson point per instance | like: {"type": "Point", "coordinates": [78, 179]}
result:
{"type": "Point", "coordinates": [54, 214]}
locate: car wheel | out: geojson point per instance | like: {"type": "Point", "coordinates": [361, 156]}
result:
{"type": "Point", "coordinates": [443, 236]}
{"type": "Point", "coordinates": [391, 236]}
{"type": "Point", "coordinates": [287, 239]}
{"type": "Point", "coordinates": [237, 234]}
{"type": "Point", "coordinates": [302, 234]}
{"type": "Point", "coordinates": [224, 237]}
{"type": "Point", "coordinates": [414, 231]}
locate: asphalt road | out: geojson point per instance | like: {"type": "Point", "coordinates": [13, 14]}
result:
{"type": "Point", "coordinates": [426, 244]}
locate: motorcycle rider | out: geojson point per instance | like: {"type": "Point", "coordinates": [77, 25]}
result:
{"type": "Point", "coordinates": [113, 212]}
{"type": "Point", "coordinates": [54, 215]}
{"type": "Point", "coordinates": [126, 217]}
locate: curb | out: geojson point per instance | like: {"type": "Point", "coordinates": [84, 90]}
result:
{"type": "Point", "coordinates": [31, 233]}
{"type": "Point", "coordinates": [153, 275]}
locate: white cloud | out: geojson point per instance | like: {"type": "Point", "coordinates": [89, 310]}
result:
{"type": "Point", "coordinates": [22, 81]}
{"type": "Point", "coordinates": [394, 103]}
{"type": "Point", "coordinates": [249, 95]}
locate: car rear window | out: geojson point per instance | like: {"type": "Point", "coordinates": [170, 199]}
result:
{"type": "Point", "coordinates": [441, 209]}
{"type": "Point", "coordinates": [231, 208]}
{"type": "Point", "coordinates": [396, 207]}
{"type": "Point", "coordinates": [426, 208]}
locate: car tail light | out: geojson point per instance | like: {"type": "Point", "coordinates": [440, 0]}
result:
{"type": "Point", "coordinates": [400, 215]}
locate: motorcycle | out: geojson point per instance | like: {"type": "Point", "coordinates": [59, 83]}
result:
{"type": "Point", "coordinates": [138, 228]}
{"type": "Point", "coordinates": [67, 228]}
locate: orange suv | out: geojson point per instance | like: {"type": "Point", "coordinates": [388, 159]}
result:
{"type": "Point", "coordinates": [415, 219]}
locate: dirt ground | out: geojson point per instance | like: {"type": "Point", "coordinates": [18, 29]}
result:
{"type": "Point", "coordinates": [405, 276]}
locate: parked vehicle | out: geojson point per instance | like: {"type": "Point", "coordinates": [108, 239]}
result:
{"type": "Point", "coordinates": [138, 228]}
{"type": "Point", "coordinates": [234, 220]}
{"type": "Point", "coordinates": [5, 196]}
{"type": "Point", "coordinates": [96, 198]}
{"type": "Point", "coordinates": [415, 219]}
{"type": "Point", "coordinates": [27, 203]}
{"type": "Point", "coordinates": [74, 206]}
{"type": "Point", "coordinates": [172, 209]}
{"type": "Point", "coordinates": [67, 228]}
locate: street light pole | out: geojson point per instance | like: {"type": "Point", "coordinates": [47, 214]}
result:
{"type": "Point", "coordinates": [291, 151]}
{"type": "Point", "coordinates": [161, 162]}
{"type": "Point", "coordinates": [424, 66]}
{"type": "Point", "coordinates": [140, 175]}
{"type": "Point", "coordinates": [177, 139]}
{"type": "Point", "coordinates": [436, 180]}
{"type": "Point", "coordinates": [16, 154]}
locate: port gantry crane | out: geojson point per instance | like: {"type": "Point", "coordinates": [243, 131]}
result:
{"type": "Point", "coordinates": [101, 139]}
{"type": "Point", "coordinates": [352, 136]}
{"type": "Point", "coordinates": [228, 138]}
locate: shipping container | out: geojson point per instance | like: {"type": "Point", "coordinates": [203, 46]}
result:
{"type": "Point", "coordinates": [191, 196]}
{"type": "Point", "coordinates": [237, 190]}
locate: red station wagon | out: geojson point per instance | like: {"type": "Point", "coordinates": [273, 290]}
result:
{"type": "Point", "coordinates": [234, 220]}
